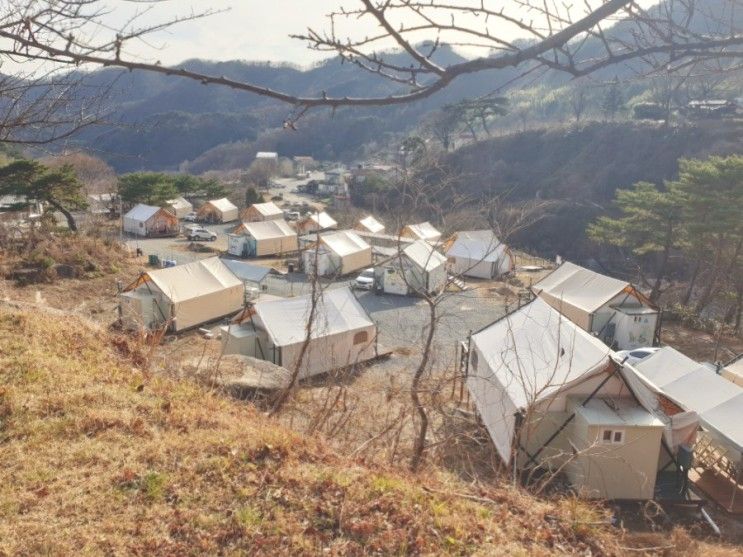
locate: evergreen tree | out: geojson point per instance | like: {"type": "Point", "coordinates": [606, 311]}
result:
{"type": "Point", "coordinates": [613, 101]}
{"type": "Point", "coordinates": [58, 187]}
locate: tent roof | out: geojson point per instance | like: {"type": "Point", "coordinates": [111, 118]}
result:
{"type": "Point", "coordinates": [337, 311]}
{"type": "Point", "coordinates": [424, 231]}
{"type": "Point", "coordinates": [268, 209]}
{"type": "Point", "coordinates": [193, 280]}
{"type": "Point", "coordinates": [372, 224]}
{"type": "Point", "coordinates": [345, 242]}
{"type": "Point", "coordinates": [142, 212]}
{"type": "Point", "coordinates": [223, 205]}
{"type": "Point", "coordinates": [579, 287]}
{"type": "Point", "coordinates": [268, 229]}
{"type": "Point", "coordinates": [323, 220]}
{"type": "Point", "coordinates": [179, 203]}
{"type": "Point", "coordinates": [479, 245]}
{"type": "Point", "coordinates": [247, 271]}
{"type": "Point", "coordinates": [535, 352]}
{"type": "Point", "coordinates": [695, 387]}
{"type": "Point", "coordinates": [424, 255]}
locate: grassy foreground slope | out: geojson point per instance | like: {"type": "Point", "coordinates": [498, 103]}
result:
{"type": "Point", "coordinates": [97, 457]}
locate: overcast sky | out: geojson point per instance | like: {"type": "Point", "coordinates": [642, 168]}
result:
{"type": "Point", "coordinates": [247, 30]}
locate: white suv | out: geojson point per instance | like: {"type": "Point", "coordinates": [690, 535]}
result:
{"type": "Point", "coordinates": [365, 281]}
{"type": "Point", "coordinates": [200, 234]}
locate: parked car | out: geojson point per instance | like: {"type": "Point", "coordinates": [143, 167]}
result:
{"type": "Point", "coordinates": [200, 234]}
{"type": "Point", "coordinates": [190, 217]}
{"type": "Point", "coordinates": [365, 281]}
{"type": "Point", "coordinates": [636, 355]}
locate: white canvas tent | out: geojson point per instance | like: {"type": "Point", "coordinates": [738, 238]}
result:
{"type": "Point", "coordinates": [339, 253]}
{"type": "Point", "coordinates": [257, 239]}
{"type": "Point", "coordinates": [342, 333]}
{"type": "Point", "coordinates": [422, 231]}
{"type": "Point", "coordinates": [550, 396]}
{"type": "Point", "coordinates": [262, 211]}
{"type": "Point", "coordinates": [218, 210]}
{"type": "Point", "coordinates": [317, 222]}
{"type": "Point", "coordinates": [146, 220]}
{"type": "Point", "coordinates": [179, 206]}
{"type": "Point", "coordinates": [371, 225]}
{"type": "Point", "coordinates": [612, 309]}
{"type": "Point", "coordinates": [526, 358]}
{"type": "Point", "coordinates": [696, 388]}
{"type": "Point", "coordinates": [189, 295]}
{"type": "Point", "coordinates": [417, 269]}
{"type": "Point", "coordinates": [479, 254]}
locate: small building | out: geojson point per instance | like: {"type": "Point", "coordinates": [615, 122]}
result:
{"type": "Point", "coordinates": [316, 222]}
{"type": "Point", "coordinates": [183, 296]}
{"type": "Point", "coordinates": [148, 221]}
{"type": "Point", "coordinates": [551, 398]}
{"type": "Point", "coordinates": [102, 203]}
{"type": "Point", "coordinates": [611, 309]}
{"type": "Point", "coordinates": [179, 206]}
{"type": "Point", "coordinates": [267, 156]}
{"type": "Point", "coordinates": [337, 254]}
{"type": "Point", "coordinates": [254, 277]}
{"type": "Point", "coordinates": [258, 212]}
{"type": "Point", "coordinates": [217, 211]}
{"type": "Point", "coordinates": [341, 334]}
{"type": "Point", "coordinates": [258, 239]}
{"type": "Point", "coordinates": [479, 254]}
{"type": "Point", "coordinates": [711, 108]}
{"type": "Point", "coordinates": [370, 224]}
{"type": "Point", "coordinates": [421, 231]}
{"type": "Point", "coordinates": [417, 269]}
{"type": "Point", "coordinates": [303, 164]}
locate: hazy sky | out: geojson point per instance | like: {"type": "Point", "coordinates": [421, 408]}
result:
{"type": "Point", "coordinates": [249, 29]}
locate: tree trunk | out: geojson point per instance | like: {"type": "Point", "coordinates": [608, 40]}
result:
{"type": "Point", "coordinates": [692, 282]}
{"type": "Point", "coordinates": [419, 446]}
{"type": "Point", "coordinates": [663, 265]}
{"type": "Point", "coordinates": [704, 299]}
{"type": "Point", "coordinates": [67, 215]}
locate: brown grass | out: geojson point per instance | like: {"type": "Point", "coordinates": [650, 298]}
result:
{"type": "Point", "coordinates": [98, 457]}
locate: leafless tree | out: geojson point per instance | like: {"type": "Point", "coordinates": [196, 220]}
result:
{"type": "Point", "coordinates": [575, 41]}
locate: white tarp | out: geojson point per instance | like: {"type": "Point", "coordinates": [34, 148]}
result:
{"type": "Point", "coordinates": [423, 231]}
{"type": "Point", "coordinates": [370, 224]}
{"type": "Point", "coordinates": [696, 388]}
{"type": "Point", "coordinates": [198, 292]}
{"type": "Point", "coordinates": [524, 358]}
{"type": "Point", "coordinates": [580, 287]}
{"type": "Point", "coordinates": [337, 311]}
{"type": "Point", "coordinates": [680, 428]}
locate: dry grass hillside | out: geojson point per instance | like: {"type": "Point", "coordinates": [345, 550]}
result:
{"type": "Point", "coordinates": [99, 457]}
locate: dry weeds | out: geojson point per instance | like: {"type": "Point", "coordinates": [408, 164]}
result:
{"type": "Point", "coordinates": [99, 457]}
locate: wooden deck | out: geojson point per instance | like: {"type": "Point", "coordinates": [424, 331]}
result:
{"type": "Point", "coordinates": [720, 489]}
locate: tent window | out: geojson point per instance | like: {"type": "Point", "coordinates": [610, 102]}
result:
{"type": "Point", "coordinates": [612, 436]}
{"type": "Point", "coordinates": [473, 360]}
{"type": "Point", "coordinates": [141, 225]}
{"type": "Point", "coordinates": [361, 337]}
